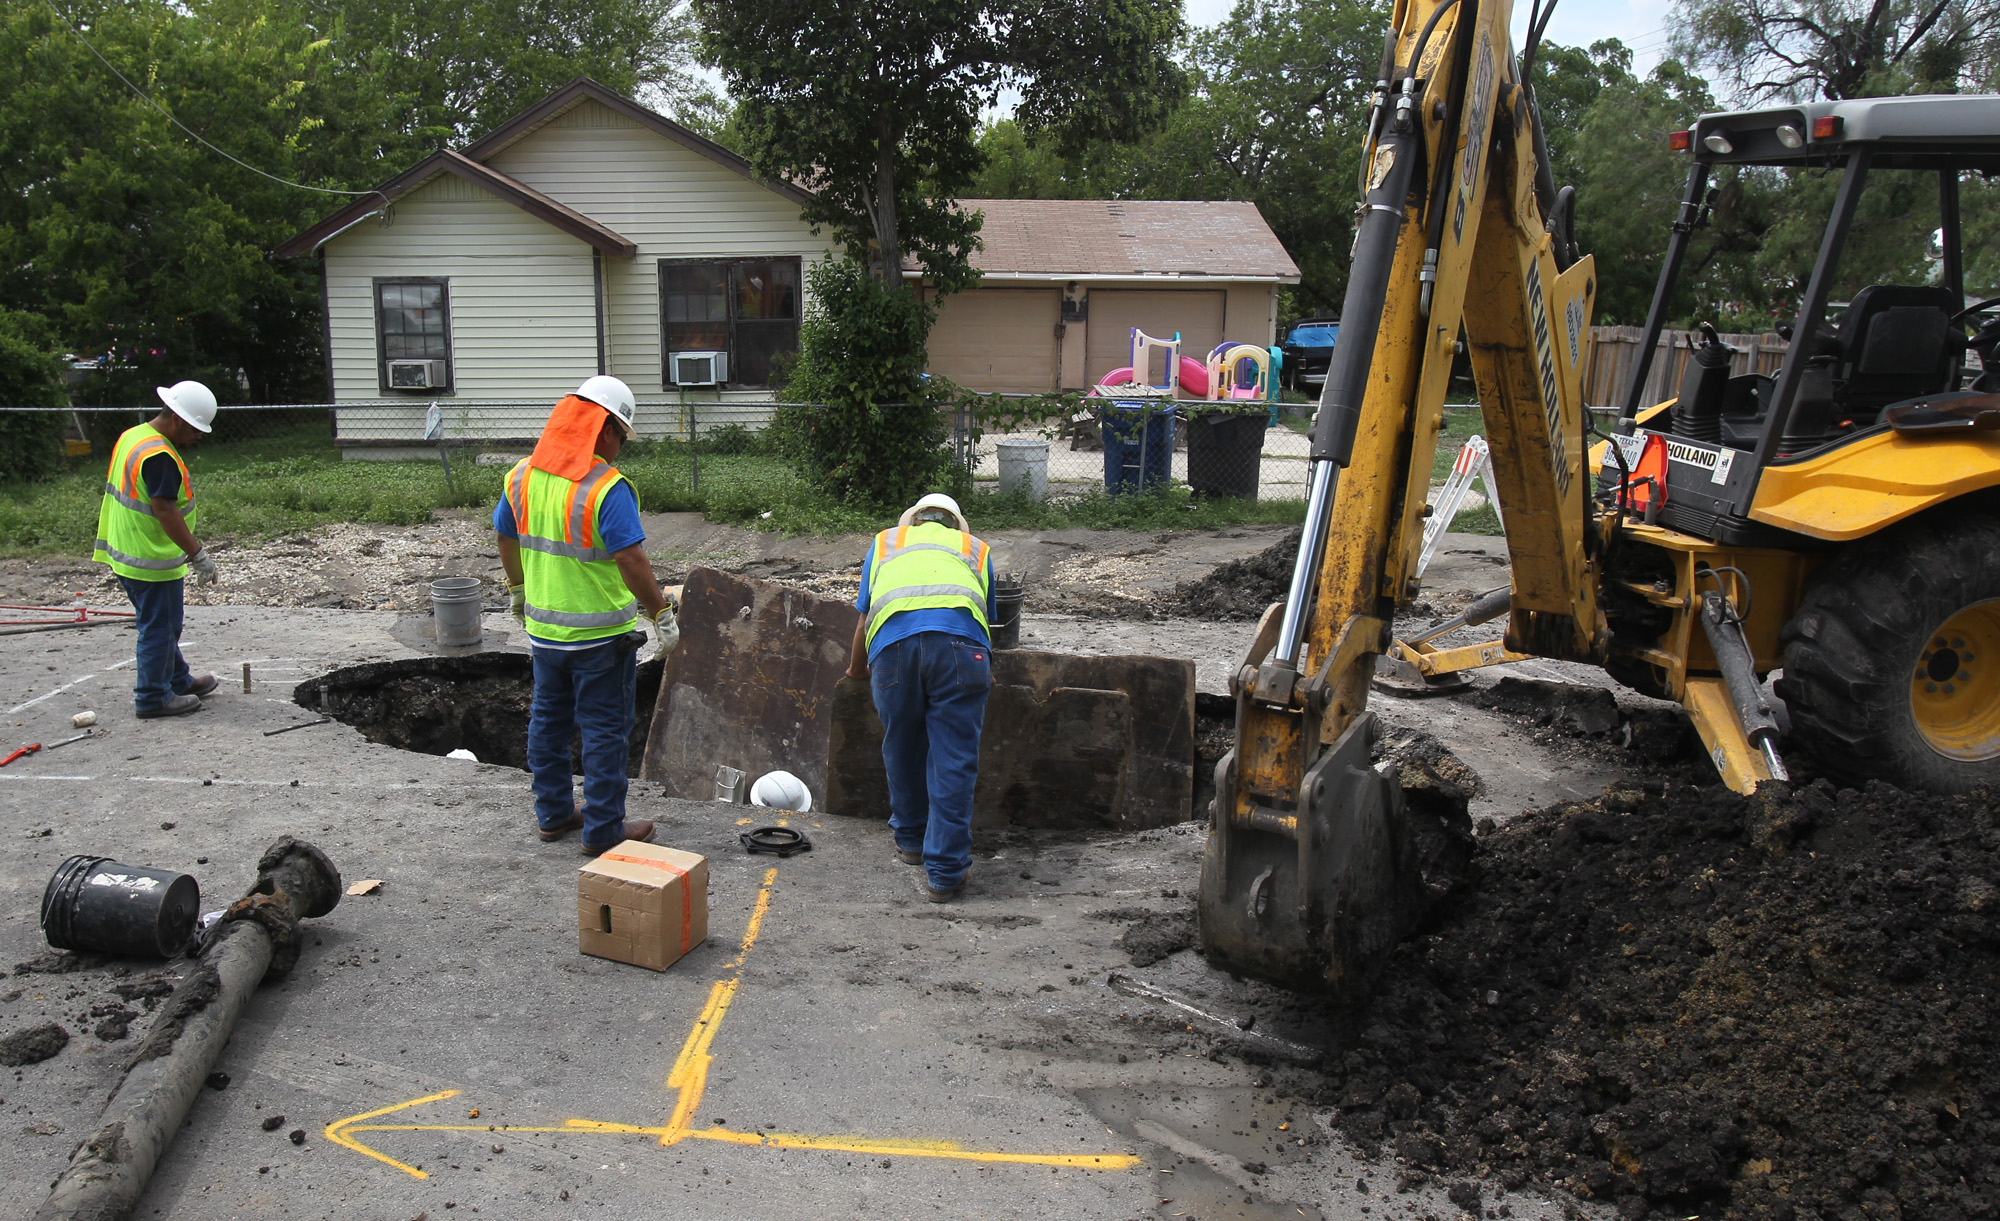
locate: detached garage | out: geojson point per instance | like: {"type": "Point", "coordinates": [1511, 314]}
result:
{"type": "Point", "coordinates": [1064, 281]}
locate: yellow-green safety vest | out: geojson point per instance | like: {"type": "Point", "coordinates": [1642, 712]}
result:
{"type": "Point", "coordinates": [129, 536]}
{"type": "Point", "coordinates": [574, 591]}
{"type": "Point", "coordinates": [925, 566]}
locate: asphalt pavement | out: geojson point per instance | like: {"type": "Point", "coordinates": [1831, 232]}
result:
{"type": "Point", "coordinates": [838, 1047]}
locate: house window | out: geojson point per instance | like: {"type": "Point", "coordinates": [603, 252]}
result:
{"type": "Point", "coordinates": [413, 323]}
{"type": "Point", "coordinates": [747, 308]}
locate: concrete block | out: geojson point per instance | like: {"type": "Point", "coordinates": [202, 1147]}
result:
{"type": "Point", "coordinates": [1069, 741]}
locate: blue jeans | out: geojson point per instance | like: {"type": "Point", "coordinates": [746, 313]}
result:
{"type": "Point", "coordinates": [162, 673]}
{"type": "Point", "coordinates": [592, 692]}
{"type": "Point", "coordinates": [930, 691]}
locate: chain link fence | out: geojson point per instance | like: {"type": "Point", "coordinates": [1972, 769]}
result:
{"type": "Point", "coordinates": [1247, 451]}
{"type": "Point", "coordinates": [1120, 448]}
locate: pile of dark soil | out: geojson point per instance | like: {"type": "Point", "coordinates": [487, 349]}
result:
{"type": "Point", "coordinates": [1688, 1003]}
{"type": "Point", "coordinates": [1240, 589]}
{"type": "Point", "coordinates": [32, 1045]}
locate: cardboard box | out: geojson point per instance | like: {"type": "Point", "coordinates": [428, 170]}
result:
{"type": "Point", "coordinates": [642, 904]}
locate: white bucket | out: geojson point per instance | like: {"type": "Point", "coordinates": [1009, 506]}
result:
{"type": "Point", "coordinates": [1024, 468]}
{"type": "Point", "coordinates": [455, 606]}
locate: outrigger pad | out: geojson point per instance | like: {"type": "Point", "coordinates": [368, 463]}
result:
{"type": "Point", "coordinates": [1321, 909]}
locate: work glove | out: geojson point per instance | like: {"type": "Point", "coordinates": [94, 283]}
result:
{"type": "Point", "coordinates": [202, 567]}
{"type": "Point", "coordinates": [668, 628]}
{"type": "Point", "coordinates": [517, 603]}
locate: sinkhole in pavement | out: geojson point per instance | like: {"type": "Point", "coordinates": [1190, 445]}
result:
{"type": "Point", "coordinates": [435, 705]}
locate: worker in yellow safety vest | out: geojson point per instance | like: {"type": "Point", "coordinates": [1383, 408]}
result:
{"type": "Point", "coordinates": [145, 532]}
{"type": "Point", "coordinates": [923, 644]}
{"type": "Point", "coordinates": [579, 582]}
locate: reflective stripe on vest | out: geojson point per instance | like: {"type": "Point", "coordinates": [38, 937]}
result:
{"type": "Point", "coordinates": [906, 575]}
{"type": "Point", "coordinates": [574, 590]}
{"type": "Point", "coordinates": [129, 535]}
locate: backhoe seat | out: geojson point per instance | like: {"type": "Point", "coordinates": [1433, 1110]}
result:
{"type": "Point", "coordinates": [1895, 344]}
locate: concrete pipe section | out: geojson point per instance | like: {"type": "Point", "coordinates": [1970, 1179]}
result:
{"type": "Point", "coordinates": [257, 938]}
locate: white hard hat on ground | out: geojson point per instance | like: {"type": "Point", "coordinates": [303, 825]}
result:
{"type": "Point", "coordinates": [191, 401]}
{"type": "Point", "coordinates": [612, 395]}
{"type": "Point", "coordinates": [934, 500]}
{"type": "Point", "coordinates": [781, 791]}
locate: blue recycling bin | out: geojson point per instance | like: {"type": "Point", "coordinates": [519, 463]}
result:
{"type": "Point", "coordinates": [1138, 445]}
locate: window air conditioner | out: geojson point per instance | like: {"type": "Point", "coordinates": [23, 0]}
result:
{"type": "Point", "coordinates": [699, 368]}
{"type": "Point", "coordinates": [416, 374]}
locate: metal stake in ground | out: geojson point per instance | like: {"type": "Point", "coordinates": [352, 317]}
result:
{"type": "Point", "coordinates": [257, 937]}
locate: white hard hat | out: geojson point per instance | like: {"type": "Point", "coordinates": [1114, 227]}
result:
{"type": "Point", "coordinates": [191, 401]}
{"type": "Point", "coordinates": [935, 500]}
{"type": "Point", "coordinates": [781, 791]}
{"type": "Point", "coordinates": [612, 395]}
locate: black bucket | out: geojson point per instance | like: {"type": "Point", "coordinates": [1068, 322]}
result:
{"type": "Point", "coordinates": [94, 904]}
{"type": "Point", "coordinates": [1006, 626]}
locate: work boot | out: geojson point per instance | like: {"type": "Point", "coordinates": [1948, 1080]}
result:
{"type": "Point", "coordinates": [551, 834]}
{"type": "Point", "coordinates": [909, 858]}
{"type": "Point", "coordinates": [935, 895]}
{"type": "Point", "coordinates": [180, 705]}
{"type": "Point", "coordinates": [640, 829]}
{"type": "Point", "coordinates": [203, 685]}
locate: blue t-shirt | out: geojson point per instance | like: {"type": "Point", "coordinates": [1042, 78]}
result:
{"type": "Point", "coordinates": [617, 528]}
{"type": "Point", "coordinates": [951, 620]}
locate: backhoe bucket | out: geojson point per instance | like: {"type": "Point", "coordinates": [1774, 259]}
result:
{"type": "Point", "coordinates": [1316, 901]}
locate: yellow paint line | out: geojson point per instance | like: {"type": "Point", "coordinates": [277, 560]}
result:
{"type": "Point", "coordinates": [758, 911]}
{"type": "Point", "coordinates": [689, 1078]}
{"type": "Point", "coordinates": [690, 1071]}
{"type": "Point", "coordinates": [874, 1146]}
{"type": "Point", "coordinates": [336, 1131]}
{"type": "Point", "coordinates": [888, 1146]}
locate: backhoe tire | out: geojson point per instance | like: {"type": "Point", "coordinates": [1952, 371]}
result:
{"type": "Point", "coordinates": [1892, 662]}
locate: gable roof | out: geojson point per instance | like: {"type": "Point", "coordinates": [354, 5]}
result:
{"type": "Point", "coordinates": [1056, 238]}
{"type": "Point", "coordinates": [445, 161]}
{"type": "Point", "coordinates": [582, 90]}
{"type": "Point", "coordinates": [469, 165]}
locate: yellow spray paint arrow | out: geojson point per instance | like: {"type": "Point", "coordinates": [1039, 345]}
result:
{"type": "Point", "coordinates": [689, 1078]}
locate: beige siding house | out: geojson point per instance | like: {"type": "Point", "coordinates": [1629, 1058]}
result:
{"type": "Point", "coordinates": [590, 235]}
{"type": "Point", "coordinates": [587, 235]}
{"type": "Point", "coordinates": [1064, 281]}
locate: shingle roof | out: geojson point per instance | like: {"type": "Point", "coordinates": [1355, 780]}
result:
{"type": "Point", "coordinates": [1100, 237]}
{"type": "Point", "coordinates": [445, 161]}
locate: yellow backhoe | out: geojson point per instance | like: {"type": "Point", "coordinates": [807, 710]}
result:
{"type": "Point", "coordinates": [1839, 520]}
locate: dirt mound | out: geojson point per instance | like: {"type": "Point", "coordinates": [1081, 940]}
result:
{"type": "Point", "coordinates": [1690, 1003]}
{"type": "Point", "coordinates": [1240, 589]}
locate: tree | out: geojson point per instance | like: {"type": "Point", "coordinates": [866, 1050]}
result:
{"type": "Point", "coordinates": [1805, 49]}
{"type": "Point", "coordinates": [463, 68]}
{"type": "Point", "coordinates": [874, 104]}
{"type": "Point", "coordinates": [137, 243]}
{"type": "Point", "coordinates": [30, 376]}
{"type": "Point", "coordinates": [1278, 94]}
{"type": "Point", "coordinates": [1607, 135]}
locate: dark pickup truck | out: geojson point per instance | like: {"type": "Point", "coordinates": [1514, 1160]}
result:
{"type": "Point", "coordinates": [1308, 349]}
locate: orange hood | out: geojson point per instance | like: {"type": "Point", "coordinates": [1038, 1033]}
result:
{"type": "Point", "coordinates": [568, 448]}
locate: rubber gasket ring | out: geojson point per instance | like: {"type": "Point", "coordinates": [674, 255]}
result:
{"type": "Point", "coordinates": [777, 841]}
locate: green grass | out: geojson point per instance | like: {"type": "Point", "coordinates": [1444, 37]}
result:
{"type": "Point", "coordinates": [291, 478]}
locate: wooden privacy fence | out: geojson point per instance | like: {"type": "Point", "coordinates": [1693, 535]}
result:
{"type": "Point", "coordinates": [1614, 353]}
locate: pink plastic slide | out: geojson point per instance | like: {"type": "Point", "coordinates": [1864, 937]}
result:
{"type": "Point", "coordinates": [1194, 377]}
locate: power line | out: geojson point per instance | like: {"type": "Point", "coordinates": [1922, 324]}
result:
{"type": "Point", "coordinates": [192, 134]}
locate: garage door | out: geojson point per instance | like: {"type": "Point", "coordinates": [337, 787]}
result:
{"type": "Point", "coordinates": [995, 339]}
{"type": "Point", "coordinates": [1196, 314]}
